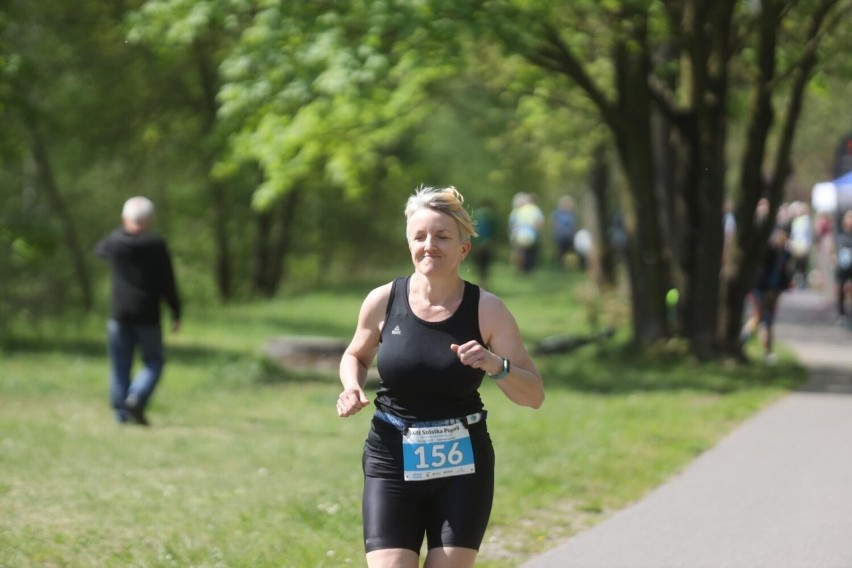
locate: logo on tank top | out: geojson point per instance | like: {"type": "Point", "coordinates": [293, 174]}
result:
{"type": "Point", "coordinates": [396, 331]}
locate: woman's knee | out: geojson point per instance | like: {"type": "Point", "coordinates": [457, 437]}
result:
{"type": "Point", "coordinates": [392, 558]}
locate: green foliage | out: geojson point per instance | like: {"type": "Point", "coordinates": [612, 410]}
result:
{"type": "Point", "coordinates": [349, 104]}
{"type": "Point", "coordinates": [325, 90]}
{"type": "Point", "coordinates": [824, 123]}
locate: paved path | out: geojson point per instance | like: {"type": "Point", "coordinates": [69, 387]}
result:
{"type": "Point", "coordinates": [775, 493]}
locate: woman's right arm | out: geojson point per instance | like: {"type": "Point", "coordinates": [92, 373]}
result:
{"type": "Point", "coordinates": [362, 350]}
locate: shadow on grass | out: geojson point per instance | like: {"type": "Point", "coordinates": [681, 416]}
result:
{"type": "Point", "coordinates": [96, 348]}
{"type": "Point", "coordinates": [618, 368]}
{"type": "Point", "coordinates": [216, 367]}
{"type": "Point", "coordinates": [280, 324]}
{"type": "Point", "coordinates": [609, 367]}
{"type": "Point", "coordinates": [80, 346]}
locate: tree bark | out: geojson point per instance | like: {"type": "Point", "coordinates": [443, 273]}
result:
{"type": "Point", "coordinates": [223, 271]}
{"type": "Point", "coordinates": [224, 276]}
{"type": "Point", "coordinates": [260, 256]}
{"type": "Point", "coordinates": [282, 241]}
{"type": "Point", "coordinates": [604, 261]}
{"type": "Point", "coordinates": [273, 245]}
{"type": "Point", "coordinates": [707, 27]}
{"type": "Point", "coordinates": [649, 265]}
{"type": "Point", "coordinates": [66, 220]}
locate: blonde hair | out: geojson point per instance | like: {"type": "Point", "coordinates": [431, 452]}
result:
{"type": "Point", "coordinates": [446, 200]}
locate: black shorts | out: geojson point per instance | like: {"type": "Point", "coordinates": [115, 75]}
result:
{"type": "Point", "coordinates": [450, 511]}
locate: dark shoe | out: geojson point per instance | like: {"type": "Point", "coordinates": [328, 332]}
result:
{"type": "Point", "coordinates": [135, 411]}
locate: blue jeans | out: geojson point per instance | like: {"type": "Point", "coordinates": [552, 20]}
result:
{"type": "Point", "coordinates": [122, 340]}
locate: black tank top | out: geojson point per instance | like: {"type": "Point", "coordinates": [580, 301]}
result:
{"type": "Point", "coordinates": [421, 377]}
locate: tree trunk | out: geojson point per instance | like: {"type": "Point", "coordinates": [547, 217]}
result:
{"type": "Point", "coordinates": [648, 265]}
{"type": "Point", "coordinates": [707, 28]}
{"type": "Point", "coordinates": [603, 262]}
{"type": "Point", "coordinates": [669, 161]}
{"type": "Point", "coordinates": [704, 251]}
{"type": "Point", "coordinates": [215, 189]}
{"type": "Point", "coordinates": [57, 203]}
{"type": "Point", "coordinates": [282, 242]}
{"type": "Point", "coordinates": [224, 277]}
{"type": "Point", "coordinates": [275, 234]}
{"type": "Point", "coordinates": [260, 256]}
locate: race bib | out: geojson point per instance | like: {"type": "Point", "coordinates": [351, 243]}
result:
{"type": "Point", "coordinates": [437, 451]}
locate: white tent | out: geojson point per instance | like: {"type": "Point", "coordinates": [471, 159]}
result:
{"type": "Point", "coordinates": [824, 197]}
{"type": "Point", "coordinates": [832, 196]}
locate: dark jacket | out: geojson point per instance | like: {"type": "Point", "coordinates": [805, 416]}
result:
{"type": "Point", "coordinates": [843, 244]}
{"type": "Point", "coordinates": [142, 276]}
{"type": "Point", "coordinates": [775, 274]}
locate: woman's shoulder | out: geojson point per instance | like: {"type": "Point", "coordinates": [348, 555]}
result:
{"type": "Point", "coordinates": [490, 302]}
{"type": "Point", "coordinates": [380, 293]}
{"type": "Point", "coordinates": [495, 319]}
{"type": "Point", "coordinates": [375, 304]}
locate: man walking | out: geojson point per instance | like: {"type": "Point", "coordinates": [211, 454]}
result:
{"type": "Point", "coordinates": [142, 278]}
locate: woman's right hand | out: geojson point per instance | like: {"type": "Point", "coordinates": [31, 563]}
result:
{"type": "Point", "coordinates": [350, 401]}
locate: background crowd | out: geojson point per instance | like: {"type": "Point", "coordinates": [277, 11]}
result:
{"type": "Point", "coordinates": [806, 250]}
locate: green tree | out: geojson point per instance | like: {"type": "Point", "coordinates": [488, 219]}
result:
{"type": "Point", "coordinates": [89, 119]}
{"type": "Point", "coordinates": [327, 98]}
{"type": "Point", "coordinates": [664, 78]}
{"type": "Point", "coordinates": [195, 36]}
{"type": "Point", "coordinates": [57, 67]}
{"type": "Point", "coordinates": [31, 106]}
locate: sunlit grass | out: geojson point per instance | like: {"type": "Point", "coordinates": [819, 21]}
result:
{"type": "Point", "coordinates": [243, 470]}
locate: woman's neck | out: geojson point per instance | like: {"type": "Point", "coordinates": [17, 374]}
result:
{"type": "Point", "coordinates": [433, 297]}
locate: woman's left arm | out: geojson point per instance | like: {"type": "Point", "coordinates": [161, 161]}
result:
{"type": "Point", "coordinates": [522, 384]}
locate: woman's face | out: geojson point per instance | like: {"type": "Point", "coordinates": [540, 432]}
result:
{"type": "Point", "coordinates": [435, 243]}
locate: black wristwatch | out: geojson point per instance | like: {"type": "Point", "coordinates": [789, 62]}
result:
{"type": "Point", "coordinates": [507, 366]}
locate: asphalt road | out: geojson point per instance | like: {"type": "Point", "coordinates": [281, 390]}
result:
{"type": "Point", "coordinates": [775, 493]}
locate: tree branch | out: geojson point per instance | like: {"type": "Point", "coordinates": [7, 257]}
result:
{"type": "Point", "coordinates": [554, 55]}
{"type": "Point", "coordinates": [752, 183]}
{"type": "Point", "coordinates": [802, 76]}
{"type": "Point", "coordinates": [665, 99]}
{"type": "Point", "coordinates": [813, 41]}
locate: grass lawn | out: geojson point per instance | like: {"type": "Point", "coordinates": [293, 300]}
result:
{"type": "Point", "coordinates": [249, 466]}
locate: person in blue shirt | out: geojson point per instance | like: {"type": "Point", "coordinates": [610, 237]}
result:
{"type": "Point", "coordinates": [563, 224]}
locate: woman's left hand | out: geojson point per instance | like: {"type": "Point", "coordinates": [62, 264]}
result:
{"type": "Point", "coordinates": [474, 354]}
